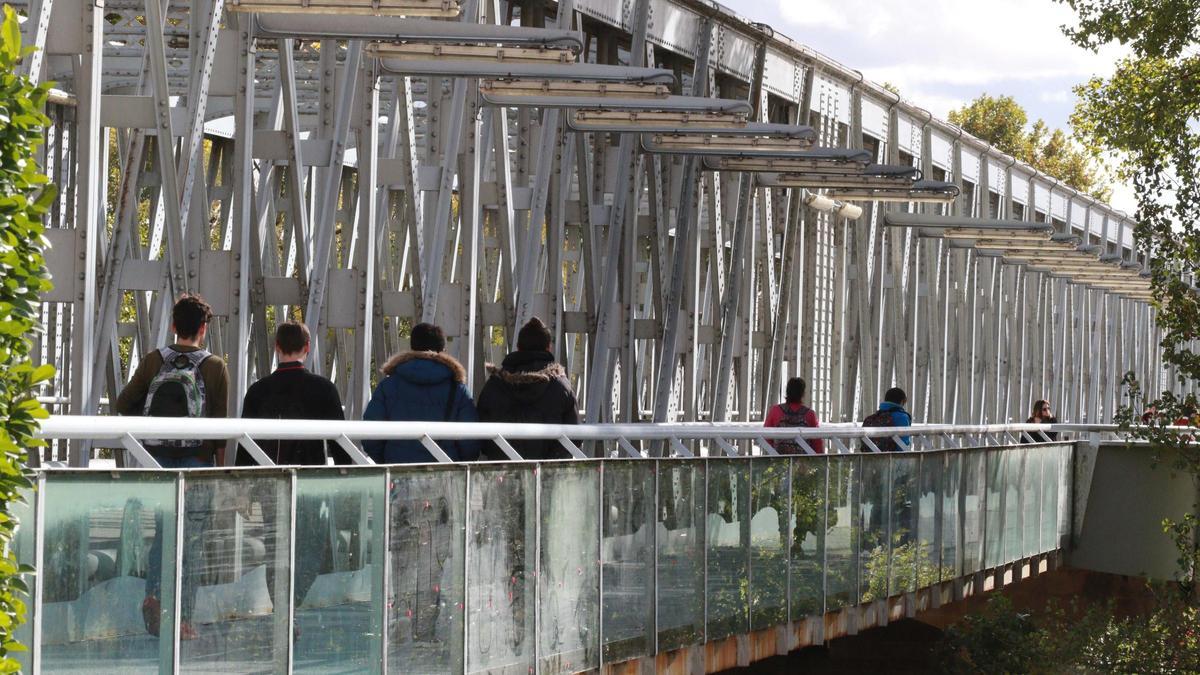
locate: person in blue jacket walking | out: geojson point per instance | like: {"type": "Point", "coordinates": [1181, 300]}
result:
{"type": "Point", "coordinates": [893, 403]}
{"type": "Point", "coordinates": [423, 384]}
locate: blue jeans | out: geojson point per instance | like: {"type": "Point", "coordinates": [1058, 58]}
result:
{"type": "Point", "coordinates": [196, 512]}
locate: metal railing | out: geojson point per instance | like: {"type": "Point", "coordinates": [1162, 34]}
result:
{"type": "Point", "coordinates": [509, 567]}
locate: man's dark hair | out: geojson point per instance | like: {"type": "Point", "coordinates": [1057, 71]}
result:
{"type": "Point", "coordinates": [190, 313]}
{"type": "Point", "coordinates": [896, 395]}
{"type": "Point", "coordinates": [427, 337]}
{"type": "Point", "coordinates": [795, 390]}
{"type": "Point", "coordinates": [291, 337]}
{"type": "Point", "coordinates": [534, 337]}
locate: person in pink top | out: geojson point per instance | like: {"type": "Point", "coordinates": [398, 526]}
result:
{"type": "Point", "coordinates": [793, 413]}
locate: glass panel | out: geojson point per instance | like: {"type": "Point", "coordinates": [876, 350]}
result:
{"type": "Point", "coordinates": [500, 574]}
{"type": "Point", "coordinates": [1013, 481]}
{"type": "Point", "coordinates": [904, 493]}
{"type": "Point", "coordinates": [1048, 518]}
{"type": "Point", "coordinates": [338, 583]}
{"type": "Point", "coordinates": [841, 546]}
{"type": "Point", "coordinates": [107, 541]}
{"type": "Point", "coordinates": [236, 545]}
{"type": "Point", "coordinates": [627, 551]}
{"type": "Point", "coordinates": [24, 543]}
{"type": "Point", "coordinates": [808, 535]}
{"type": "Point", "coordinates": [769, 526]}
{"type": "Point", "coordinates": [728, 530]}
{"type": "Point", "coordinates": [1031, 532]}
{"type": "Point", "coordinates": [1062, 468]}
{"type": "Point", "coordinates": [873, 527]}
{"type": "Point", "coordinates": [974, 464]}
{"type": "Point", "coordinates": [569, 581]}
{"type": "Point", "coordinates": [932, 469]}
{"type": "Point", "coordinates": [993, 524]}
{"type": "Point", "coordinates": [680, 554]}
{"type": "Point", "coordinates": [951, 515]}
{"type": "Point", "coordinates": [426, 554]}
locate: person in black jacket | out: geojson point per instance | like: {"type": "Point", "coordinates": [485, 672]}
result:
{"type": "Point", "coordinates": [530, 387]}
{"type": "Point", "coordinates": [292, 392]}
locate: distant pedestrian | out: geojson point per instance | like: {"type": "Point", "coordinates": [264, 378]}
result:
{"type": "Point", "coordinates": [292, 392]}
{"type": "Point", "coordinates": [891, 413]}
{"type": "Point", "coordinates": [422, 385]}
{"type": "Point", "coordinates": [529, 387]}
{"type": "Point", "coordinates": [1041, 415]}
{"type": "Point", "coordinates": [793, 413]}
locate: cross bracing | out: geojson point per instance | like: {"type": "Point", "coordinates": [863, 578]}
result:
{"type": "Point", "coordinates": [698, 207]}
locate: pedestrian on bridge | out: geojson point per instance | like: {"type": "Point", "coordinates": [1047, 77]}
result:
{"type": "Point", "coordinates": [529, 387]}
{"type": "Point", "coordinates": [793, 413]}
{"type": "Point", "coordinates": [1041, 415]}
{"type": "Point", "coordinates": [891, 413]}
{"type": "Point", "coordinates": [424, 384]}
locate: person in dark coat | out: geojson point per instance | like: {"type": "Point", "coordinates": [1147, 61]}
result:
{"type": "Point", "coordinates": [423, 384]}
{"type": "Point", "coordinates": [529, 387]}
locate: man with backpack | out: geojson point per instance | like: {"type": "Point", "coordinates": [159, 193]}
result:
{"type": "Point", "coordinates": [793, 413]}
{"type": "Point", "coordinates": [891, 413]}
{"type": "Point", "coordinates": [292, 392]}
{"type": "Point", "coordinates": [423, 384]}
{"type": "Point", "coordinates": [180, 380]}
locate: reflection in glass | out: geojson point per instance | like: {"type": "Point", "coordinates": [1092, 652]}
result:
{"type": "Point", "coordinates": [1049, 504]}
{"type": "Point", "coordinates": [99, 546]}
{"type": "Point", "coordinates": [993, 530]}
{"type": "Point", "coordinates": [874, 501]}
{"type": "Point", "coordinates": [568, 613]}
{"type": "Point", "coordinates": [841, 549]}
{"type": "Point", "coordinates": [235, 585]}
{"type": "Point", "coordinates": [951, 564]}
{"type": "Point", "coordinates": [770, 525]}
{"type": "Point", "coordinates": [904, 495]}
{"type": "Point", "coordinates": [1031, 494]}
{"type": "Point", "coordinates": [338, 592]}
{"type": "Point", "coordinates": [628, 551]}
{"type": "Point", "coordinates": [500, 575]}
{"type": "Point", "coordinates": [974, 468]}
{"type": "Point", "coordinates": [680, 586]}
{"type": "Point", "coordinates": [1014, 477]}
{"type": "Point", "coordinates": [426, 555]}
{"type": "Point", "coordinates": [932, 467]}
{"type": "Point", "coordinates": [728, 539]}
{"type": "Point", "coordinates": [808, 536]}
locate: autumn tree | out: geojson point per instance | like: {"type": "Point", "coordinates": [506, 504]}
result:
{"type": "Point", "coordinates": [1003, 123]}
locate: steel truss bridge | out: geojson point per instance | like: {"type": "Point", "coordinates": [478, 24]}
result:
{"type": "Point", "coordinates": [697, 206]}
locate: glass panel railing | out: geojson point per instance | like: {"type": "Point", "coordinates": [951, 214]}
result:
{"type": "Point", "coordinates": [426, 561]}
{"type": "Point", "coordinates": [627, 551]}
{"type": "Point", "coordinates": [974, 490]}
{"type": "Point", "coordinates": [1014, 472]}
{"type": "Point", "coordinates": [952, 521]}
{"type": "Point", "coordinates": [338, 584]}
{"type": "Point", "coordinates": [993, 524]}
{"type": "Point", "coordinates": [1048, 518]}
{"type": "Point", "coordinates": [108, 592]}
{"type": "Point", "coordinates": [1031, 495]}
{"type": "Point", "coordinates": [728, 538]}
{"type": "Point", "coordinates": [235, 591]}
{"type": "Point", "coordinates": [569, 570]}
{"type": "Point", "coordinates": [680, 554]}
{"type": "Point", "coordinates": [501, 542]}
{"type": "Point", "coordinates": [930, 510]}
{"type": "Point", "coordinates": [1064, 495]}
{"type": "Point", "coordinates": [770, 526]}
{"type": "Point", "coordinates": [873, 513]}
{"type": "Point", "coordinates": [841, 544]}
{"type": "Point", "coordinates": [24, 544]}
{"type": "Point", "coordinates": [904, 503]}
{"type": "Point", "coordinates": [809, 475]}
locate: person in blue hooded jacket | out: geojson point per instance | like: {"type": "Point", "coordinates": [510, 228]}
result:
{"type": "Point", "coordinates": [427, 385]}
{"type": "Point", "coordinates": [893, 403]}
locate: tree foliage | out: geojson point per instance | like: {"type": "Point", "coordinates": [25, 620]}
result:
{"type": "Point", "coordinates": [1002, 122]}
{"type": "Point", "coordinates": [25, 197]}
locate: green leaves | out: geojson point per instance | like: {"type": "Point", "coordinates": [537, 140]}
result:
{"type": "Point", "coordinates": [25, 197]}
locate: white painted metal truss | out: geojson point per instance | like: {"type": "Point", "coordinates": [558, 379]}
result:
{"type": "Point", "coordinates": [340, 167]}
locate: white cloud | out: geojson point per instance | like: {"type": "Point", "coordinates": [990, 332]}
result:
{"type": "Point", "coordinates": [1056, 96]}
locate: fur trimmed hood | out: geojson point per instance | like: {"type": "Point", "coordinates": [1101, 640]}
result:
{"type": "Point", "coordinates": [456, 369]}
{"type": "Point", "coordinates": [553, 371]}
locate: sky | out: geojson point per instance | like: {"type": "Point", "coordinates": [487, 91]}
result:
{"type": "Point", "coordinates": [944, 53]}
